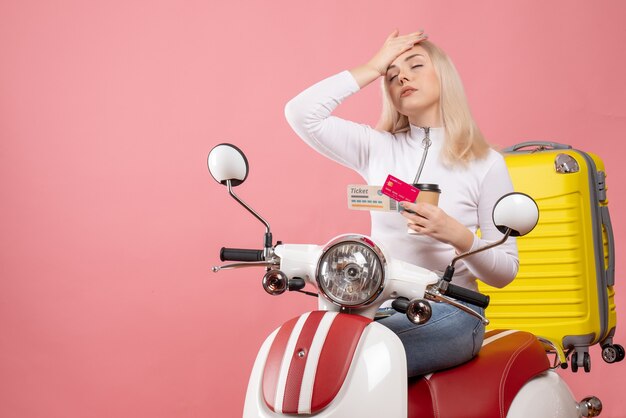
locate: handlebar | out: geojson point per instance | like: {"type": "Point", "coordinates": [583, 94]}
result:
{"type": "Point", "coordinates": [467, 295]}
{"type": "Point", "coordinates": [241, 254]}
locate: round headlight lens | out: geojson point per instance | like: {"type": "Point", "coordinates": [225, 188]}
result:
{"type": "Point", "coordinates": [350, 272]}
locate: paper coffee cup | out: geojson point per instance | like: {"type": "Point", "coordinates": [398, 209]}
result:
{"type": "Point", "coordinates": [429, 193]}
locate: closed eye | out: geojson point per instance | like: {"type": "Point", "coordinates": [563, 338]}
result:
{"type": "Point", "coordinates": [392, 77]}
{"type": "Point", "coordinates": [416, 66]}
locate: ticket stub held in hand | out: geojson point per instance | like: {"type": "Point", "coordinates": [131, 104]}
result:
{"type": "Point", "coordinates": [368, 197]}
{"type": "Point", "coordinates": [399, 190]}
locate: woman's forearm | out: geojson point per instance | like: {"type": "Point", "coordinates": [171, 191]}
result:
{"type": "Point", "coordinates": [364, 74]}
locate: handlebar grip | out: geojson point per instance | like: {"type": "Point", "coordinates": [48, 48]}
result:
{"type": "Point", "coordinates": [401, 305]}
{"type": "Point", "coordinates": [467, 295]}
{"type": "Point", "coordinates": [240, 254]}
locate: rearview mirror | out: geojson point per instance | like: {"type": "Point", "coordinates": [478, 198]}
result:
{"type": "Point", "coordinates": [517, 212]}
{"type": "Point", "coordinates": [228, 163]}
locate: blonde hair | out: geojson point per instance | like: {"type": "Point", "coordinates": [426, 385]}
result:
{"type": "Point", "coordinates": [464, 142]}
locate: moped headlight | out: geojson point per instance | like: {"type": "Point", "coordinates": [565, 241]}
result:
{"type": "Point", "coordinates": [351, 271]}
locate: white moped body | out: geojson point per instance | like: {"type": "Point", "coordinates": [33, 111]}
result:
{"type": "Point", "coordinates": [372, 387]}
{"type": "Point", "coordinates": [375, 384]}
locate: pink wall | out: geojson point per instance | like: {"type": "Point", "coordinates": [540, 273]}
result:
{"type": "Point", "coordinates": [110, 221]}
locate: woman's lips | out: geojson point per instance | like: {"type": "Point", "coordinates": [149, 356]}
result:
{"type": "Point", "coordinates": [407, 92]}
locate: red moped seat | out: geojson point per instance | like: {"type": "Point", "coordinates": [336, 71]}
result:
{"type": "Point", "coordinates": [485, 386]}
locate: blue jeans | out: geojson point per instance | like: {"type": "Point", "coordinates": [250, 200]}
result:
{"type": "Point", "coordinates": [449, 338]}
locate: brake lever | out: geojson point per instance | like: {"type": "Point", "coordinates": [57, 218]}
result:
{"type": "Point", "coordinates": [433, 293]}
{"type": "Point", "coordinates": [232, 266]}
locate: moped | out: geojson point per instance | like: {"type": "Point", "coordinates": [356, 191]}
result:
{"type": "Point", "coordinates": [338, 361]}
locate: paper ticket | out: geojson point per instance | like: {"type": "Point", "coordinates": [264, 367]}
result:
{"type": "Point", "coordinates": [366, 197]}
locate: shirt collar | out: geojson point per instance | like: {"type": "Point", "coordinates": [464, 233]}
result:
{"type": "Point", "coordinates": [435, 134]}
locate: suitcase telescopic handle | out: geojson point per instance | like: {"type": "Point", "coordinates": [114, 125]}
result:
{"type": "Point", "coordinates": [537, 144]}
{"type": "Point", "coordinates": [608, 227]}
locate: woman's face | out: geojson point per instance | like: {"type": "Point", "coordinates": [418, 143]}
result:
{"type": "Point", "coordinates": [413, 84]}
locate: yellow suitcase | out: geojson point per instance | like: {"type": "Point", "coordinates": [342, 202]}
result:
{"type": "Point", "coordinates": [563, 292]}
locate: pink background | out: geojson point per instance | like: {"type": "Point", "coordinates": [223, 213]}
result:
{"type": "Point", "coordinates": [110, 220]}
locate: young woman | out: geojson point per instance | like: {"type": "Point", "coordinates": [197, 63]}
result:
{"type": "Point", "coordinates": [426, 130]}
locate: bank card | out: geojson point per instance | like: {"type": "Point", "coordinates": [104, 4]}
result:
{"type": "Point", "coordinates": [366, 197]}
{"type": "Point", "coordinates": [399, 190]}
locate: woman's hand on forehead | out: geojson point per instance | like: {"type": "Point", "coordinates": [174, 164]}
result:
{"type": "Point", "coordinates": [394, 46]}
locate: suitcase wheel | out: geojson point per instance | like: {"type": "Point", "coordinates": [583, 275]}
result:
{"type": "Point", "coordinates": [586, 362]}
{"type": "Point", "coordinates": [612, 353]}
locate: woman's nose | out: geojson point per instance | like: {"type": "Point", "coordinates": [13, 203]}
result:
{"type": "Point", "coordinates": [402, 78]}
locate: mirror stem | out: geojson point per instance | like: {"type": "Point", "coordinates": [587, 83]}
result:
{"type": "Point", "coordinates": [450, 269]}
{"type": "Point", "coordinates": [268, 234]}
